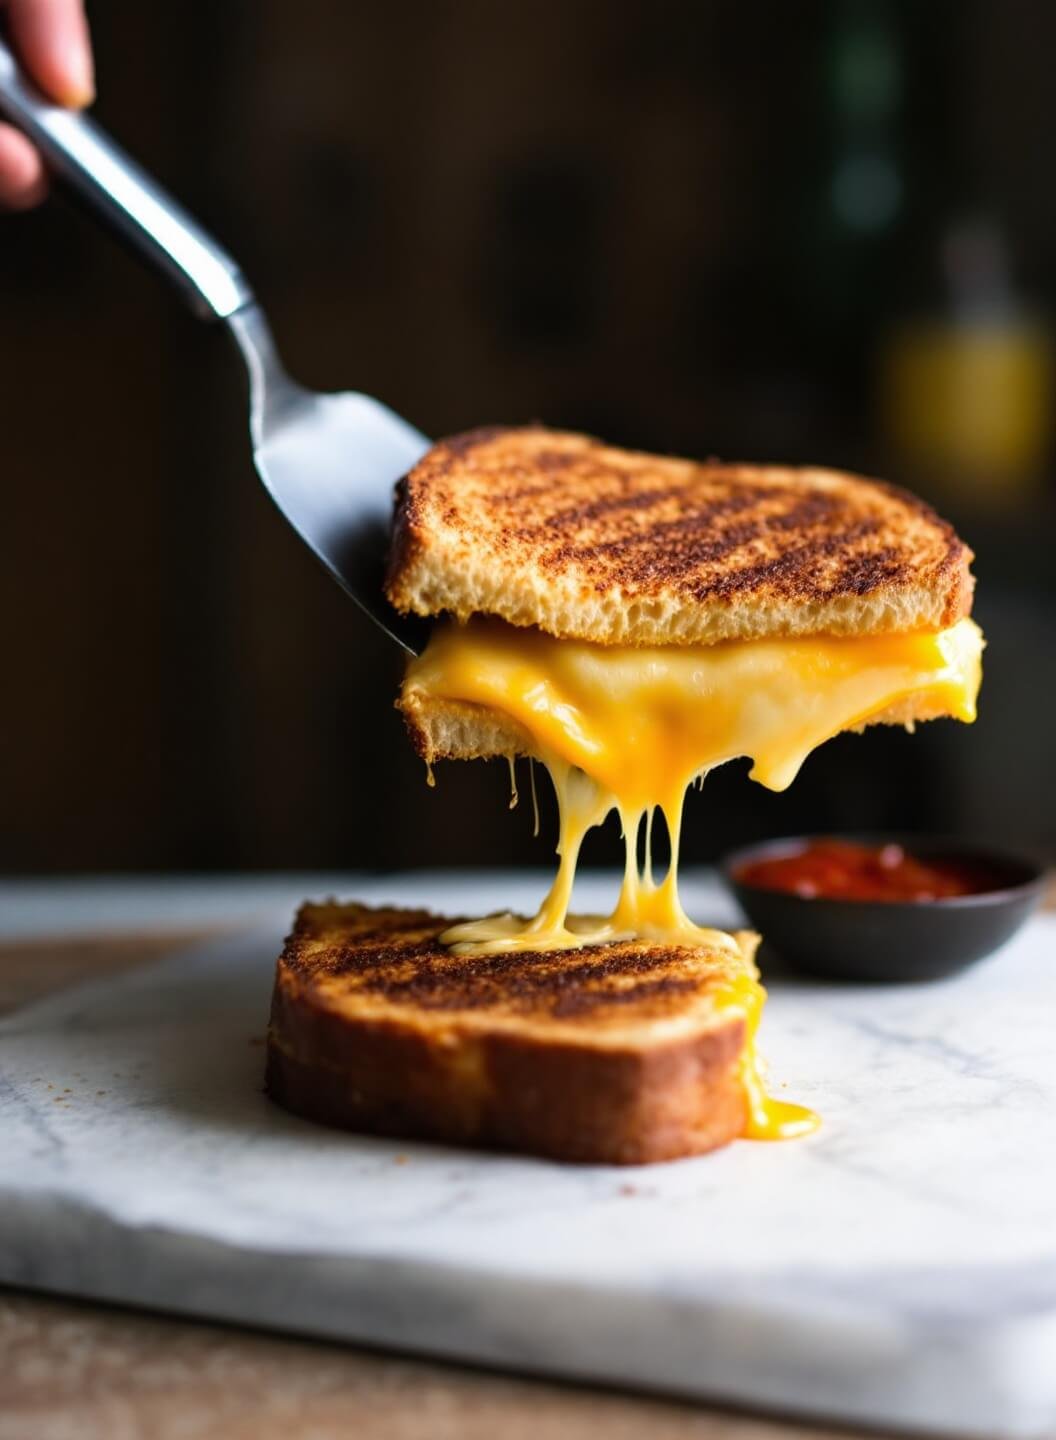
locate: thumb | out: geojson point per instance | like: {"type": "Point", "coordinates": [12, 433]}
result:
{"type": "Point", "coordinates": [52, 40]}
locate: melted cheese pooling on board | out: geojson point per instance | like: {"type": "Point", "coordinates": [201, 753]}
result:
{"type": "Point", "coordinates": [629, 729]}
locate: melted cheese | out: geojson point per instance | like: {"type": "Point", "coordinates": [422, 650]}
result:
{"type": "Point", "coordinates": [630, 729]}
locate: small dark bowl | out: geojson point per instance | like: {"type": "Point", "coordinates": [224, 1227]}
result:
{"type": "Point", "coordinates": [903, 940]}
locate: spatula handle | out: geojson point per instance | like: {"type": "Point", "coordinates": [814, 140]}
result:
{"type": "Point", "coordinates": [120, 192]}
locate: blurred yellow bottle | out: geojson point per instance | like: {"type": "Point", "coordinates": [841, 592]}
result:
{"type": "Point", "coordinates": [966, 396]}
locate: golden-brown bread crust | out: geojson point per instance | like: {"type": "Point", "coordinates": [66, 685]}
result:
{"type": "Point", "coordinates": [548, 528]}
{"type": "Point", "coordinates": [616, 1054]}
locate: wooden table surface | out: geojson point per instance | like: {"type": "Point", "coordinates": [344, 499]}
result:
{"type": "Point", "coordinates": [77, 1371]}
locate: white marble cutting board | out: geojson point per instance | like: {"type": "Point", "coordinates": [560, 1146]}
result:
{"type": "Point", "coordinates": [897, 1268]}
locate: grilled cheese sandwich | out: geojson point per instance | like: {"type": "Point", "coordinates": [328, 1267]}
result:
{"type": "Point", "coordinates": [630, 623]}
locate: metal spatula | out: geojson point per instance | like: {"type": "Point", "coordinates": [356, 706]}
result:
{"type": "Point", "coordinates": [328, 461]}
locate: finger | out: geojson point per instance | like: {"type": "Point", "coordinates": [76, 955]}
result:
{"type": "Point", "coordinates": [51, 37]}
{"type": "Point", "coordinates": [22, 179]}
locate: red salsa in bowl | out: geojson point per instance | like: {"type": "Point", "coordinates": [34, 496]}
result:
{"type": "Point", "coordinates": [893, 908]}
{"type": "Point", "coordinates": [849, 870]}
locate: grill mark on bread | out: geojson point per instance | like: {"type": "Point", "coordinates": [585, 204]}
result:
{"type": "Point", "coordinates": [557, 530]}
{"type": "Point", "coordinates": [551, 461]}
{"type": "Point", "coordinates": [652, 556]}
{"type": "Point", "coordinates": [688, 535]}
{"type": "Point", "coordinates": [799, 573]}
{"type": "Point", "coordinates": [635, 506]}
{"type": "Point", "coordinates": [662, 987]}
{"type": "Point", "coordinates": [527, 985]}
{"type": "Point", "coordinates": [396, 958]}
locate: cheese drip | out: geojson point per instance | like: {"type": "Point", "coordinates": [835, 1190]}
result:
{"type": "Point", "coordinates": [645, 910]}
{"type": "Point", "coordinates": [629, 729]}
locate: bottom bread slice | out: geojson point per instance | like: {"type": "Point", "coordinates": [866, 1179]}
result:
{"type": "Point", "coordinates": [620, 1054]}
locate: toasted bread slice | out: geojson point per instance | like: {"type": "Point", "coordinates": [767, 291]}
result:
{"type": "Point", "coordinates": [618, 1054]}
{"type": "Point", "coordinates": [588, 542]}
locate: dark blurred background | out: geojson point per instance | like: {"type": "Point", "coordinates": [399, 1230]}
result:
{"type": "Point", "coordinates": [804, 231]}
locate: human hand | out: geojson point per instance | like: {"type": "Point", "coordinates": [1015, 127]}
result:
{"type": "Point", "coordinates": [51, 40]}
